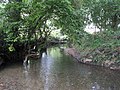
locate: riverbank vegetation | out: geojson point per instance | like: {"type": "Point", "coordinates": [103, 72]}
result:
{"type": "Point", "coordinates": [103, 45]}
{"type": "Point", "coordinates": [27, 24]}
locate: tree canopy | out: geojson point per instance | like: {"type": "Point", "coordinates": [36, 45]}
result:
{"type": "Point", "coordinates": [27, 20]}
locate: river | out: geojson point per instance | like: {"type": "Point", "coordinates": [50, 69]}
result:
{"type": "Point", "coordinates": [57, 71]}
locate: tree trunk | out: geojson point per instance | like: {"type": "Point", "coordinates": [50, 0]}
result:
{"type": "Point", "coordinates": [114, 22]}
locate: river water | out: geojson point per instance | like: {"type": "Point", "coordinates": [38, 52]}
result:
{"type": "Point", "coordinates": [57, 71]}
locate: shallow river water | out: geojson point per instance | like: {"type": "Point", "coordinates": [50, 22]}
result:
{"type": "Point", "coordinates": [57, 71]}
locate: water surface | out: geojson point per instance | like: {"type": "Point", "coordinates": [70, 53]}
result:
{"type": "Point", "coordinates": [57, 71]}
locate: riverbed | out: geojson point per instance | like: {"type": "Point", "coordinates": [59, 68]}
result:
{"type": "Point", "coordinates": [57, 71]}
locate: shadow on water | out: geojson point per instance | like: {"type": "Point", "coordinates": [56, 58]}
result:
{"type": "Point", "coordinates": [57, 71]}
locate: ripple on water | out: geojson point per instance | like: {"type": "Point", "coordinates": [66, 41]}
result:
{"type": "Point", "coordinates": [57, 71]}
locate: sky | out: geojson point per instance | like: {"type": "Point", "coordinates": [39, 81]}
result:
{"type": "Point", "coordinates": [91, 28]}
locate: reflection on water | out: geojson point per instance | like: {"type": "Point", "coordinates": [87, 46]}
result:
{"type": "Point", "coordinates": [57, 71]}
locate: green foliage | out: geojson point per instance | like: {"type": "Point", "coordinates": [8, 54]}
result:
{"type": "Point", "coordinates": [105, 13]}
{"type": "Point", "coordinates": [11, 48]}
{"type": "Point", "coordinates": [102, 46]}
{"type": "Point", "coordinates": [31, 20]}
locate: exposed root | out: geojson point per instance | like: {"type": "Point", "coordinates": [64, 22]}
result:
{"type": "Point", "coordinates": [30, 56]}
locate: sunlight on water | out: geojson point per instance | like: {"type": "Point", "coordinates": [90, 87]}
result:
{"type": "Point", "coordinates": [45, 64]}
{"type": "Point", "coordinates": [57, 71]}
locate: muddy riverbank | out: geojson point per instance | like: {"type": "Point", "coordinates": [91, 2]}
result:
{"type": "Point", "coordinates": [83, 59]}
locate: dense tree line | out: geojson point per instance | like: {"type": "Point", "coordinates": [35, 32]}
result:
{"type": "Point", "coordinates": [26, 21]}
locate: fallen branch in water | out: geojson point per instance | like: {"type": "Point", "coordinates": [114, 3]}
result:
{"type": "Point", "coordinates": [36, 55]}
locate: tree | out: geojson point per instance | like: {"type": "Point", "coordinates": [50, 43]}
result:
{"type": "Point", "coordinates": [25, 21]}
{"type": "Point", "coordinates": [105, 13]}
